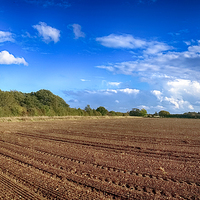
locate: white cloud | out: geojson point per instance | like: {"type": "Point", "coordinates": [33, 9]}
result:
{"type": "Point", "coordinates": [8, 59]}
{"type": "Point", "coordinates": [130, 67]}
{"type": "Point", "coordinates": [27, 35]}
{"type": "Point", "coordinates": [182, 94]}
{"type": "Point", "coordinates": [77, 31]}
{"type": "Point", "coordinates": [129, 42]}
{"type": "Point", "coordinates": [158, 94]}
{"type": "Point", "coordinates": [195, 48]}
{"type": "Point", "coordinates": [121, 41]}
{"type": "Point", "coordinates": [126, 90]}
{"type": "Point", "coordinates": [109, 98]}
{"type": "Point", "coordinates": [156, 47]}
{"type": "Point", "coordinates": [91, 92]}
{"type": "Point", "coordinates": [173, 75]}
{"type": "Point", "coordinates": [84, 80]}
{"type": "Point", "coordinates": [129, 98]}
{"type": "Point", "coordinates": [191, 107]}
{"type": "Point", "coordinates": [109, 91]}
{"type": "Point", "coordinates": [187, 43]}
{"type": "Point", "coordinates": [171, 64]}
{"type": "Point", "coordinates": [47, 32]}
{"type": "Point", "coordinates": [181, 87]}
{"type": "Point", "coordinates": [143, 107]}
{"type": "Point", "coordinates": [114, 83]}
{"type": "Point", "coordinates": [106, 91]}
{"type": "Point", "coordinates": [129, 91]}
{"type": "Point", "coordinates": [179, 103]}
{"type": "Point", "coordinates": [109, 68]}
{"type": "Point", "coordinates": [158, 107]}
{"type": "Point", "coordinates": [6, 37]}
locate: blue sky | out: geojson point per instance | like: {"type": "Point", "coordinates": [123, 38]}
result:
{"type": "Point", "coordinates": [120, 54]}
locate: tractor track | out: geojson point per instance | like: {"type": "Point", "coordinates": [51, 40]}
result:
{"type": "Point", "coordinates": [173, 155]}
{"type": "Point", "coordinates": [92, 180]}
{"type": "Point", "coordinates": [51, 194]}
{"type": "Point", "coordinates": [16, 148]}
{"type": "Point", "coordinates": [37, 188]}
{"type": "Point", "coordinates": [22, 193]}
{"type": "Point", "coordinates": [135, 139]}
{"type": "Point", "coordinates": [118, 159]}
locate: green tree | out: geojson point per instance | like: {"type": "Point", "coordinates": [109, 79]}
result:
{"type": "Point", "coordinates": [164, 113]}
{"type": "Point", "coordinates": [88, 108]}
{"type": "Point", "coordinates": [143, 112]}
{"type": "Point", "coordinates": [112, 113]}
{"type": "Point", "coordinates": [156, 114]}
{"type": "Point", "coordinates": [96, 113]}
{"type": "Point", "coordinates": [138, 112]}
{"type": "Point", "coordinates": [135, 112]}
{"type": "Point", "coordinates": [102, 110]}
{"type": "Point", "coordinates": [6, 99]}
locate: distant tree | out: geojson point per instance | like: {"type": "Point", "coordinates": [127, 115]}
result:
{"type": "Point", "coordinates": [143, 112]}
{"type": "Point", "coordinates": [112, 113]}
{"type": "Point", "coordinates": [102, 110]}
{"type": "Point", "coordinates": [18, 96]}
{"type": "Point", "coordinates": [125, 114]}
{"type": "Point", "coordinates": [96, 113]}
{"type": "Point", "coordinates": [138, 112]}
{"type": "Point", "coordinates": [46, 97]}
{"type": "Point", "coordinates": [155, 114]}
{"type": "Point", "coordinates": [164, 113]}
{"type": "Point", "coordinates": [88, 108]}
{"type": "Point", "coordinates": [134, 112]}
{"type": "Point", "coordinates": [6, 99]}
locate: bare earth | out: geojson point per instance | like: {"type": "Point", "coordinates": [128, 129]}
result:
{"type": "Point", "coordinates": [115, 158]}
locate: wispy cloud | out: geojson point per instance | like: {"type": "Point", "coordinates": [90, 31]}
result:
{"type": "Point", "coordinates": [180, 86]}
{"type": "Point", "coordinates": [173, 97]}
{"type": "Point", "coordinates": [129, 42]}
{"type": "Point", "coordinates": [97, 98]}
{"type": "Point", "coordinates": [47, 32]}
{"type": "Point", "coordinates": [155, 47]}
{"type": "Point", "coordinates": [121, 41]}
{"type": "Point", "coordinates": [179, 103]}
{"type": "Point", "coordinates": [180, 93]}
{"type": "Point", "coordinates": [77, 31]}
{"type": "Point", "coordinates": [27, 35]}
{"type": "Point", "coordinates": [174, 75]}
{"type": "Point", "coordinates": [129, 91]}
{"type": "Point", "coordinates": [158, 94]}
{"type": "Point", "coordinates": [114, 83]}
{"type": "Point", "coordinates": [8, 59]}
{"type": "Point", "coordinates": [84, 80]}
{"type": "Point", "coordinates": [179, 32]}
{"type": "Point", "coordinates": [46, 3]}
{"type": "Point", "coordinates": [6, 37]}
{"type": "Point", "coordinates": [170, 64]}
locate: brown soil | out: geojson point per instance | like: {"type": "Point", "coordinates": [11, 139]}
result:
{"type": "Point", "coordinates": [115, 158]}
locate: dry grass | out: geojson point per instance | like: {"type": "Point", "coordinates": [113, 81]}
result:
{"type": "Point", "coordinates": [50, 118]}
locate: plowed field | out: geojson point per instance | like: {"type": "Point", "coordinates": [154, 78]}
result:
{"type": "Point", "coordinates": [115, 158]}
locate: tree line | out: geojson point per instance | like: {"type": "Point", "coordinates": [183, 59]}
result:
{"type": "Point", "coordinates": [166, 114]}
{"type": "Point", "coordinates": [45, 103]}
